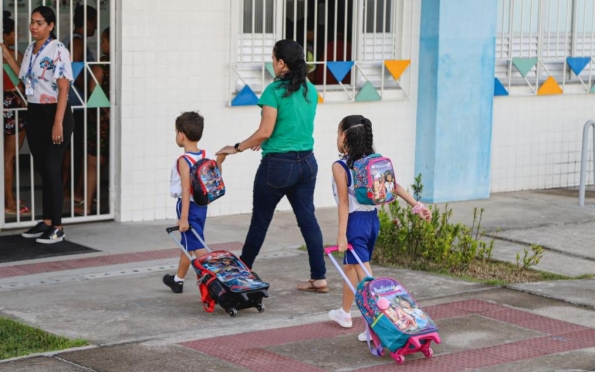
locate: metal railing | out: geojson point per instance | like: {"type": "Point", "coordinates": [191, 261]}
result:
{"type": "Point", "coordinates": [581, 194]}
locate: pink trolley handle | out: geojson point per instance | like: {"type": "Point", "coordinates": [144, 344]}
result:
{"type": "Point", "coordinates": [329, 251]}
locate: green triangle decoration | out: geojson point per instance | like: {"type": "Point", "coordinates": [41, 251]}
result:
{"type": "Point", "coordinates": [98, 98]}
{"type": "Point", "coordinates": [13, 77]}
{"type": "Point", "coordinates": [269, 68]}
{"type": "Point", "coordinates": [368, 93]}
{"type": "Point", "coordinates": [524, 65]}
{"type": "Point", "coordinates": [592, 89]}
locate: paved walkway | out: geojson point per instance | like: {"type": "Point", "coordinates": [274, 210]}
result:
{"type": "Point", "coordinates": [115, 300]}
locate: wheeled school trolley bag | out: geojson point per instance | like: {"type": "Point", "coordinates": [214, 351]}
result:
{"type": "Point", "coordinates": [225, 280]}
{"type": "Point", "coordinates": [393, 319]}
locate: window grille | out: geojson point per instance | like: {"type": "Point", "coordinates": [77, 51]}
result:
{"type": "Point", "coordinates": [360, 34]}
{"type": "Point", "coordinates": [539, 40]}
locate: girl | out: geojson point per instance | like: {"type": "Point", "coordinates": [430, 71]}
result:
{"type": "Point", "coordinates": [358, 224]}
{"type": "Point", "coordinates": [46, 73]}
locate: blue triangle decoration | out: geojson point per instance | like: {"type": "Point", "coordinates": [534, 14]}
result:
{"type": "Point", "coordinates": [77, 67]}
{"type": "Point", "coordinates": [578, 64]}
{"type": "Point", "coordinates": [245, 97]}
{"type": "Point", "coordinates": [339, 69]}
{"type": "Point", "coordinates": [499, 89]}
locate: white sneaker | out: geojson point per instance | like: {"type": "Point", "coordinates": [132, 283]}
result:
{"type": "Point", "coordinates": [362, 337]}
{"type": "Point", "coordinates": [341, 317]}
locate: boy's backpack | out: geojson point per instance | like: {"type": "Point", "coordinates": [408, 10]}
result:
{"type": "Point", "coordinates": [371, 174]}
{"type": "Point", "coordinates": [205, 179]}
{"type": "Point", "coordinates": [391, 312]}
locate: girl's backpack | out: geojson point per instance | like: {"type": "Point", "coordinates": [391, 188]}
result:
{"type": "Point", "coordinates": [391, 312]}
{"type": "Point", "coordinates": [372, 174]}
{"type": "Point", "coordinates": [205, 179]}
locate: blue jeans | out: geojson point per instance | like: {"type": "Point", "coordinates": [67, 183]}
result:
{"type": "Point", "coordinates": [291, 174]}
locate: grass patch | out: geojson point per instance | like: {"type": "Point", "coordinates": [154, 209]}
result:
{"type": "Point", "coordinates": [18, 339]}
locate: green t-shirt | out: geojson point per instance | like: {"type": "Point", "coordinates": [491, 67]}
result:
{"type": "Point", "coordinates": [295, 118]}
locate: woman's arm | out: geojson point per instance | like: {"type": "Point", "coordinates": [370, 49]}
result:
{"type": "Point", "coordinates": [57, 130]}
{"type": "Point", "coordinates": [9, 56]}
{"type": "Point", "coordinates": [264, 132]}
{"type": "Point", "coordinates": [342, 194]}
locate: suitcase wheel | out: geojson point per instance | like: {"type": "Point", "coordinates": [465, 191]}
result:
{"type": "Point", "coordinates": [232, 312]}
{"type": "Point", "coordinates": [398, 358]}
{"type": "Point", "coordinates": [428, 352]}
{"type": "Point", "coordinates": [260, 307]}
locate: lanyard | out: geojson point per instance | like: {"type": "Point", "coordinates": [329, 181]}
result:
{"type": "Point", "coordinates": [31, 60]}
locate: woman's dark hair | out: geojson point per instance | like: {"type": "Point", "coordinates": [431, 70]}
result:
{"type": "Point", "coordinates": [48, 14]}
{"type": "Point", "coordinates": [7, 23]}
{"type": "Point", "coordinates": [359, 140]}
{"type": "Point", "coordinates": [292, 54]}
{"type": "Point", "coordinates": [79, 15]}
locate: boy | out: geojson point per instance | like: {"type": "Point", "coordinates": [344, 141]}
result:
{"type": "Point", "coordinates": [189, 128]}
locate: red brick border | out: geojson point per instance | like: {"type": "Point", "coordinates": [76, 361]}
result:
{"type": "Point", "coordinates": [248, 349]}
{"type": "Point", "coordinates": [112, 259]}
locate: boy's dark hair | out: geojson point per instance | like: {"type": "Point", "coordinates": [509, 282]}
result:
{"type": "Point", "coordinates": [79, 15]}
{"type": "Point", "coordinates": [191, 124]}
{"type": "Point", "coordinates": [359, 140]}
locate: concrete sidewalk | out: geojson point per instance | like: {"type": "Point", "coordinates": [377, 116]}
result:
{"type": "Point", "coordinates": [116, 301]}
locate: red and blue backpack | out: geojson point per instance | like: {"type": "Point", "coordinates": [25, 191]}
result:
{"type": "Point", "coordinates": [205, 179]}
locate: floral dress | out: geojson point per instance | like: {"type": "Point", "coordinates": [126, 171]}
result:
{"type": "Point", "coordinates": [11, 101]}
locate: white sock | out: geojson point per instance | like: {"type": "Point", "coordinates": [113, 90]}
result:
{"type": "Point", "coordinates": [176, 279]}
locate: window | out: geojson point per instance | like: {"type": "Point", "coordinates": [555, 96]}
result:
{"type": "Point", "coordinates": [360, 35]}
{"type": "Point", "coordinates": [542, 39]}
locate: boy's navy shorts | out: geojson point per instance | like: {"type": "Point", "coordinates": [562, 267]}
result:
{"type": "Point", "coordinates": [197, 216]}
{"type": "Point", "coordinates": [362, 232]}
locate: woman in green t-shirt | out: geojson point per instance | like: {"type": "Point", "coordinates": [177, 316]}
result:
{"type": "Point", "coordinates": [288, 166]}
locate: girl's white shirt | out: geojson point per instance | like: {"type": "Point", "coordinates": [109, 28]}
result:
{"type": "Point", "coordinates": [47, 67]}
{"type": "Point", "coordinates": [354, 205]}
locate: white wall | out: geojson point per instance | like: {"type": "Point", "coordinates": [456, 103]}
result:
{"type": "Point", "coordinates": [537, 141]}
{"type": "Point", "coordinates": [175, 57]}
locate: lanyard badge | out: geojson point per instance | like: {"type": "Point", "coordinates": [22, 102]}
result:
{"type": "Point", "coordinates": [29, 79]}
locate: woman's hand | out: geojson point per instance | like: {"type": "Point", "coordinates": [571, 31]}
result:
{"type": "Point", "coordinates": [227, 150]}
{"type": "Point", "coordinates": [57, 134]}
{"type": "Point", "coordinates": [5, 49]}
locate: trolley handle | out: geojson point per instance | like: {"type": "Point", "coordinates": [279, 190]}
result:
{"type": "Point", "coordinates": [335, 248]}
{"type": "Point", "coordinates": [172, 229]}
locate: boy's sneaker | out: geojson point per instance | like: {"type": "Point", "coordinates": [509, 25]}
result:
{"type": "Point", "coordinates": [36, 231]}
{"type": "Point", "coordinates": [176, 287]}
{"type": "Point", "coordinates": [51, 236]}
{"type": "Point", "coordinates": [362, 337]}
{"type": "Point", "coordinates": [341, 317]}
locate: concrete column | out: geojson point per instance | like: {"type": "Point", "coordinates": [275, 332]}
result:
{"type": "Point", "coordinates": [455, 99]}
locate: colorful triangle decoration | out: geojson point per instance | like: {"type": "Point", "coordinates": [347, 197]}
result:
{"type": "Point", "coordinates": [98, 98]}
{"type": "Point", "coordinates": [367, 93]}
{"type": "Point", "coordinates": [13, 77]}
{"type": "Point", "coordinates": [592, 89]}
{"type": "Point", "coordinates": [524, 65]}
{"type": "Point", "coordinates": [245, 97]}
{"type": "Point", "coordinates": [578, 64]}
{"type": "Point", "coordinates": [339, 69]}
{"type": "Point", "coordinates": [269, 67]}
{"type": "Point", "coordinates": [499, 89]}
{"type": "Point", "coordinates": [320, 99]}
{"type": "Point", "coordinates": [77, 67]}
{"type": "Point", "coordinates": [549, 87]}
{"type": "Point", "coordinates": [397, 67]}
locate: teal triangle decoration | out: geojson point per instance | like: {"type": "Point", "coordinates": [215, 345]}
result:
{"type": "Point", "coordinates": [77, 67]}
{"type": "Point", "coordinates": [98, 98]}
{"type": "Point", "coordinates": [592, 89]}
{"type": "Point", "coordinates": [269, 68]}
{"type": "Point", "coordinates": [524, 65]}
{"type": "Point", "coordinates": [499, 89]}
{"type": "Point", "coordinates": [13, 77]}
{"type": "Point", "coordinates": [339, 69]}
{"type": "Point", "coordinates": [245, 97]}
{"type": "Point", "coordinates": [367, 93]}
{"type": "Point", "coordinates": [578, 64]}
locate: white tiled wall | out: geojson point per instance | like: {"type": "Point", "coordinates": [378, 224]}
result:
{"type": "Point", "coordinates": [175, 57]}
{"type": "Point", "coordinates": [537, 141]}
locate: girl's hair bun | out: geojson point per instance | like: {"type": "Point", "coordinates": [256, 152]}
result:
{"type": "Point", "coordinates": [6, 14]}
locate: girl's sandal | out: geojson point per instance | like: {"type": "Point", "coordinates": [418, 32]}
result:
{"type": "Point", "coordinates": [310, 287]}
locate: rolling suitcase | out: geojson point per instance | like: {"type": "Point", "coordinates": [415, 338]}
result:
{"type": "Point", "coordinates": [393, 319]}
{"type": "Point", "coordinates": [225, 280]}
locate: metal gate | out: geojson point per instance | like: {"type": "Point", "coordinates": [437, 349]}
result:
{"type": "Point", "coordinates": [84, 26]}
